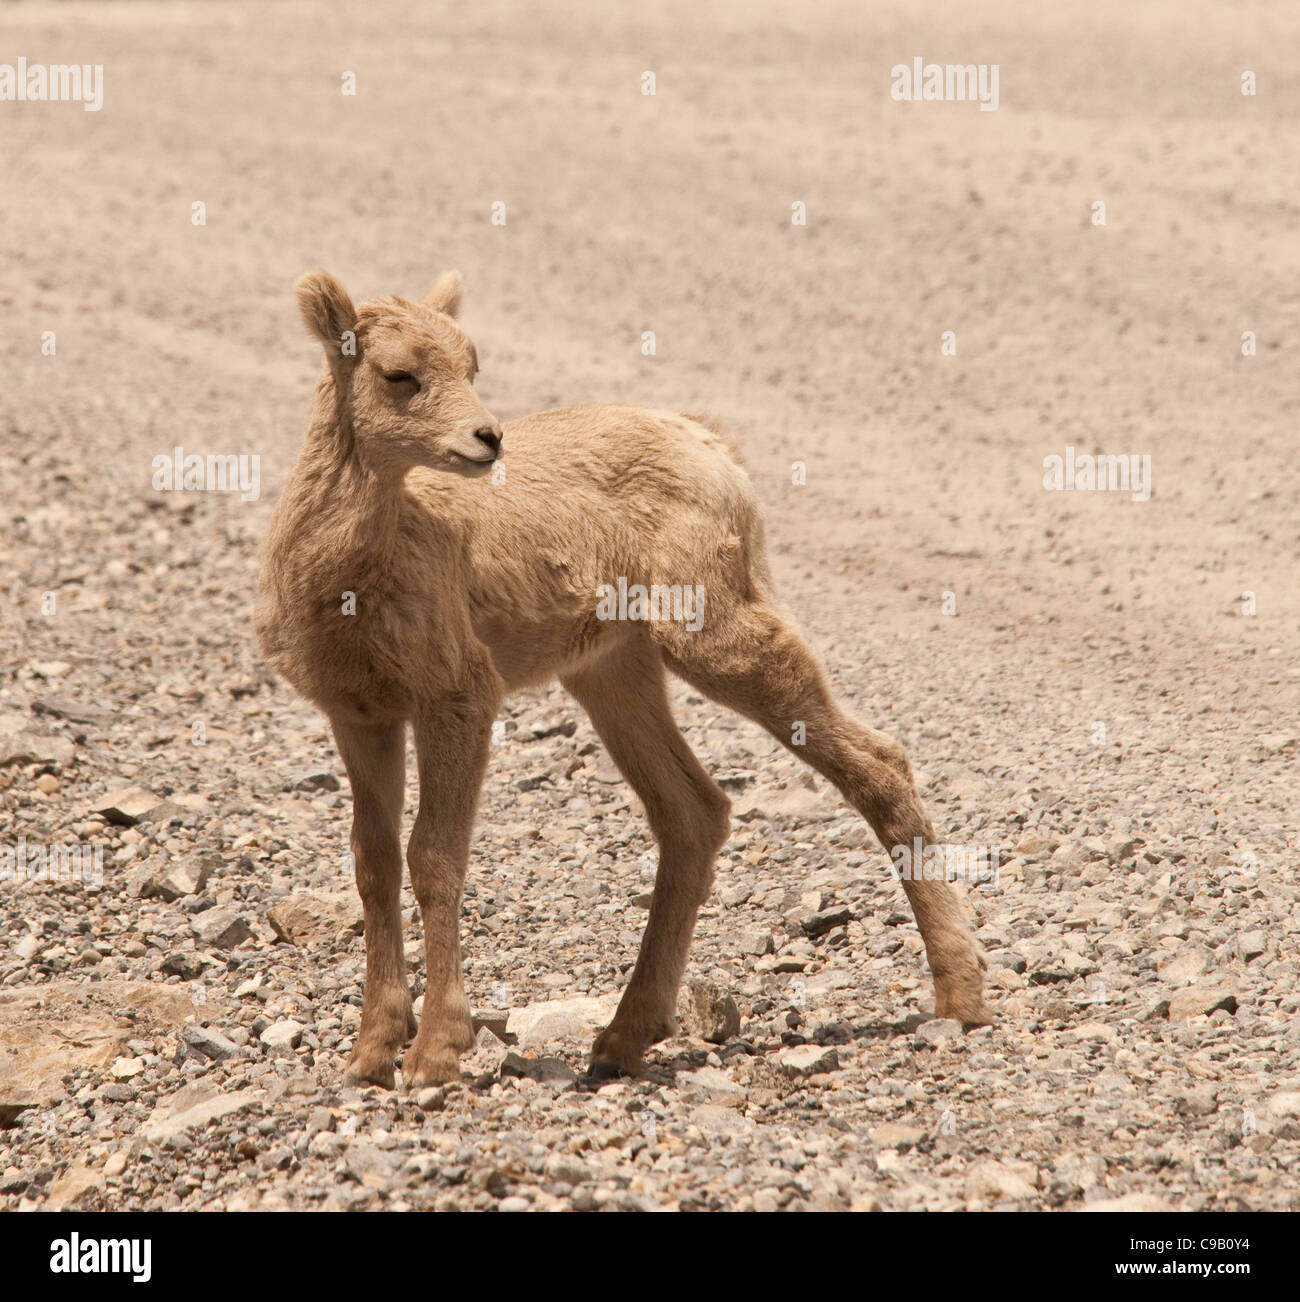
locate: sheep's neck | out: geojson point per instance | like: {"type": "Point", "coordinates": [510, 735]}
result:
{"type": "Point", "coordinates": [376, 509]}
{"type": "Point", "coordinates": [365, 506]}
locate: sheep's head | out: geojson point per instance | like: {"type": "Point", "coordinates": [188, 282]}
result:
{"type": "Point", "coordinates": [404, 377]}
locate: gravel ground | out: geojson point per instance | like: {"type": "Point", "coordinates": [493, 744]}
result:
{"type": "Point", "coordinates": [1103, 690]}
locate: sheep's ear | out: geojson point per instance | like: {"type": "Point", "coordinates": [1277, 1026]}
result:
{"type": "Point", "coordinates": [328, 313]}
{"type": "Point", "coordinates": [445, 295]}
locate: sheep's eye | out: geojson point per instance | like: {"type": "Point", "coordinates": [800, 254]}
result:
{"type": "Point", "coordinates": [399, 377]}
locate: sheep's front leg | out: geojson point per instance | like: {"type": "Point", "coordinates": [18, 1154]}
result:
{"type": "Point", "coordinates": [374, 757]}
{"type": "Point", "coordinates": [451, 742]}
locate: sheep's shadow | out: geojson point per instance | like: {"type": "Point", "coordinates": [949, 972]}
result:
{"type": "Point", "coordinates": [668, 1063]}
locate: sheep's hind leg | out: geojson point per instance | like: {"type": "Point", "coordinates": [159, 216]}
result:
{"type": "Point", "coordinates": [627, 701]}
{"type": "Point", "coordinates": [761, 668]}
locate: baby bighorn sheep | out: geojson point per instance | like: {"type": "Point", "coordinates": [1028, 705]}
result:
{"type": "Point", "coordinates": [405, 582]}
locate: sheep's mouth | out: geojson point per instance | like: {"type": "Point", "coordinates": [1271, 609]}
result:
{"type": "Point", "coordinates": [467, 465]}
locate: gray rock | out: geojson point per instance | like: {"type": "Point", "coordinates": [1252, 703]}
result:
{"type": "Point", "coordinates": [1277, 743]}
{"type": "Point", "coordinates": [557, 1019]}
{"type": "Point", "coordinates": [221, 928]}
{"type": "Point", "coordinates": [1186, 965]}
{"type": "Point", "coordinates": [126, 805]}
{"type": "Point", "coordinates": [1284, 1105]}
{"type": "Point", "coordinates": [549, 1070]}
{"type": "Point", "coordinates": [1006, 958]}
{"type": "Point", "coordinates": [1133, 1202]}
{"type": "Point", "coordinates": [187, 966]}
{"type": "Point", "coordinates": [938, 1029]}
{"type": "Point", "coordinates": [890, 1135]}
{"type": "Point", "coordinates": [1001, 1181]}
{"type": "Point", "coordinates": [711, 1084]}
{"type": "Point", "coordinates": [491, 1020]}
{"type": "Point", "coordinates": [79, 1186]}
{"type": "Point", "coordinates": [1202, 998]}
{"type": "Point", "coordinates": [566, 1168]}
{"type": "Point", "coordinates": [485, 1058]}
{"type": "Point", "coordinates": [211, 1044]}
{"type": "Point", "coordinates": [808, 1060]}
{"type": "Point", "coordinates": [317, 782]}
{"type": "Point", "coordinates": [1034, 843]}
{"type": "Point", "coordinates": [319, 1119]}
{"type": "Point", "coordinates": [431, 1099]}
{"type": "Point", "coordinates": [27, 747]}
{"type": "Point", "coordinates": [1251, 944]}
{"type": "Point", "coordinates": [175, 879]}
{"type": "Point", "coordinates": [371, 1166]}
{"type": "Point", "coordinates": [1197, 1103]}
{"type": "Point", "coordinates": [707, 1011]}
{"type": "Point", "coordinates": [166, 1124]}
{"type": "Point", "coordinates": [819, 923]}
{"type": "Point", "coordinates": [282, 1035]}
{"type": "Point", "coordinates": [316, 920]}
{"type": "Point", "coordinates": [74, 711]}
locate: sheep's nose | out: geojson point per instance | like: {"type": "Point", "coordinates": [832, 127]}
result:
{"type": "Point", "coordinates": [490, 437]}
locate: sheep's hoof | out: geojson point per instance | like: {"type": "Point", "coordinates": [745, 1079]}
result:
{"type": "Point", "coordinates": [619, 1049]}
{"type": "Point", "coordinates": [371, 1067]}
{"type": "Point", "coordinates": [599, 1070]}
{"type": "Point", "coordinates": [964, 1006]}
{"type": "Point", "coordinates": [420, 1069]}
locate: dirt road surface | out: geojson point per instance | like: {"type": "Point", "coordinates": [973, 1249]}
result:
{"type": "Point", "coordinates": [897, 310]}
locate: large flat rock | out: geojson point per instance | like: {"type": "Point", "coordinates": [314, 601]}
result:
{"type": "Point", "coordinates": [48, 1032]}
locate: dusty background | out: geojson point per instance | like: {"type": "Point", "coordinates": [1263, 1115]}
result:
{"type": "Point", "coordinates": [164, 1044]}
